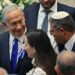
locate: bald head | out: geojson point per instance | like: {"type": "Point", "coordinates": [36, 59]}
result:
{"type": "Point", "coordinates": [66, 62]}
{"type": "Point", "coordinates": [3, 71]}
{"type": "Point", "coordinates": [8, 9]}
{"type": "Point", "coordinates": [66, 57]}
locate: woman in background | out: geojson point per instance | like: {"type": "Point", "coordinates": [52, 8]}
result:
{"type": "Point", "coordinates": [38, 47]}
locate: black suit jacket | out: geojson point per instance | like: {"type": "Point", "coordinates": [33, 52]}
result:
{"type": "Point", "coordinates": [31, 13]}
{"type": "Point", "coordinates": [23, 65]}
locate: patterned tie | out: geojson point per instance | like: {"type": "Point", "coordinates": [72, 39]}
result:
{"type": "Point", "coordinates": [45, 22]}
{"type": "Point", "coordinates": [14, 55]}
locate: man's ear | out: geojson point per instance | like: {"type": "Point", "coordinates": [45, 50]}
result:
{"type": "Point", "coordinates": [3, 23]}
{"type": "Point", "coordinates": [62, 30]}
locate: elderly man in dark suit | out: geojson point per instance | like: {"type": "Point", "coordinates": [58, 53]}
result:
{"type": "Point", "coordinates": [35, 15]}
{"type": "Point", "coordinates": [12, 56]}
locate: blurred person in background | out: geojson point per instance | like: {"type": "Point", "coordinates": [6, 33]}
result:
{"type": "Point", "coordinates": [65, 63]}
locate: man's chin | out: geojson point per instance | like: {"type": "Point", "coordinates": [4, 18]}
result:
{"type": "Point", "coordinates": [57, 41]}
{"type": "Point", "coordinates": [46, 8]}
{"type": "Point", "coordinates": [18, 35]}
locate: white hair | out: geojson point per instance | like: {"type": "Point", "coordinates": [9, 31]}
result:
{"type": "Point", "coordinates": [7, 9]}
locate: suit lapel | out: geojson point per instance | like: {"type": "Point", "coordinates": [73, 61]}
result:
{"type": "Point", "coordinates": [6, 55]}
{"type": "Point", "coordinates": [73, 49]}
{"type": "Point", "coordinates": [32, 16]}
{"type": "Point", "coordinates": [35, 17]}
{"type": "Point", "coordinates": [60, 7]}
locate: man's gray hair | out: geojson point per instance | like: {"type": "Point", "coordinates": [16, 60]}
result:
{"type": "Point", "coordinates": [7, 9]}
{"type": "Point", "coordinates": [66, 62]}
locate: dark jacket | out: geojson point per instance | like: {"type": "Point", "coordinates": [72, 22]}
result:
{"type": "Point", "coordinates": [31, 13]}
{"type": "Point", "coordinates": [23, 65]}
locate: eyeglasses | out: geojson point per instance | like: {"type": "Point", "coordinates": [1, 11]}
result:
{"type": "Point", "coordinates": [54, 30]}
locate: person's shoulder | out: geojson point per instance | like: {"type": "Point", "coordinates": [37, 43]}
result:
{"type": "Point", "coordinates": [40, 71]}
{"type": "Point", "coordinates": [33, 5]}
{"type": "Point", "coordinates": [36, 71]}
{"type": "Point", "coordinates": [65, 6]}
{"type": "Point", "coordinates": [30, 72]}
{"type": "Point", "coordinates": [4, 35]}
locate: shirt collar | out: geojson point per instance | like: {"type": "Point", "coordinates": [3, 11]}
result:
{"type": "Point", "coordinates": [53, 8]}
{"type": "Point", "coordinates": [21, 39]}
{"type": "Point", "coordinates": [70, 43]}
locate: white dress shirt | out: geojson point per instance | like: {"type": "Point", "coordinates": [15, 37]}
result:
{"type": "Point", "coordinates": [70, 43]}
{"type": "Point", "coordinates": [41, 16]}
{"type": "Point", "coordinates": [36, 71]}
{"type": "Point", "coordinates": [20, 44]}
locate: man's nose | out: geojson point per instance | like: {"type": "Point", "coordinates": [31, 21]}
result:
{"type": "Point", "coordinates": [18, 26]}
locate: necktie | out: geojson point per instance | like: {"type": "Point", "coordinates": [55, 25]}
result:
{"type": "Point", "coordinates": [14, 55]}
{"type": "Point", "coordinates": [73, 49]}
{"type": "Point", "coordinates": [60, 47]}
{"type": "Point", "coordinates": [45, 22]}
